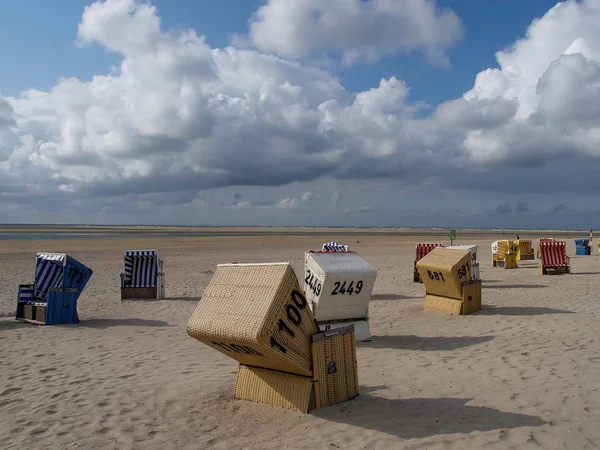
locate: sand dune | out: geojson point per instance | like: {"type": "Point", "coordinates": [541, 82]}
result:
{"type": "Point", "coordinates": [522, 373]}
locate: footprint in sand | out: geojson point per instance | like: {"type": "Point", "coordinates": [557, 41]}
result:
{"type": "Point", "coordinates": [49, 369]}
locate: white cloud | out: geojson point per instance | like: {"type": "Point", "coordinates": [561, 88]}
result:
{"type": "Point", "coordinates": [359, 29]}
{"type": "Point", "coordinates": [179, 117]}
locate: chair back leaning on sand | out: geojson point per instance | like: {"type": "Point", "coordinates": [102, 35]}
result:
{"type": "Point", "coordinates": [59, 280]}
{"type": "Point", "coordinates": [448, 282]}
{"type": "Point", "coordinates": [553, 258]}
{"type": "Point", "coordinates": [257, 315]}
{"type": "Point", "coordinates": [421, 250]}
{"type": "Point", "coordinates": [143, 276]}
{"type": "Point", "coordinates": [338, 288]}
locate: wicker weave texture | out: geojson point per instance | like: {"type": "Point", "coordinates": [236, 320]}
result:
{"type": "Point", "coordinates": [272, 387]}
{"type": "Point", "coordinates": [335, 367]}
{"type": "Point", "coordinates": [443, 304]}
{"type": "Point", "coordinates": [256, 314]}
{"type": "Point", "coordinates": [444, 270]}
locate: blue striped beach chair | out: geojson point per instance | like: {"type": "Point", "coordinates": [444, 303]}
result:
{"type": "Point", "coordinates": [143, 275]}
{"type": "Point", "coordinates": [58, 282]}
{"type": "Point", "coordinates": [334, 247]}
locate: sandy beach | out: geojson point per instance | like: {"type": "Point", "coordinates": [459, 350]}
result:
{"type": "Point", "coordinates": [522, 373]}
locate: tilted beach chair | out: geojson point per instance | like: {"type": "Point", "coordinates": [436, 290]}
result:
{"type": "Point", "coordinates": [143, 276]}
{"type": "Point", "coordinates": [257, 315]}
{"type": "Point", "coordinates": [553, 258]}
{"type": "Point", "coordinates": [52, 298]}
{"type": "Point", "coordinates": [421, 250]}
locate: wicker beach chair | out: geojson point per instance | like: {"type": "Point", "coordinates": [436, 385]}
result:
{"type": "Point", "coordinates": [258, 315]}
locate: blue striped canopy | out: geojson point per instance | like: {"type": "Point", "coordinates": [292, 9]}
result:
{"type": "Point", "coordinates": [141, 268]}
{"type": "Point", "coordinates": [48, 273]}
{"type": "Point", "coordinates": [58, 270]}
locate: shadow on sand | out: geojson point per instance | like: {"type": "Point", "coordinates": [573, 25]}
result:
{"type": "Point", "coordinates": [106, 323]}
{"type": "Point", "coordinates": [489, 310]}
{"type": "Point", "coordinates": [434, 343]}
{"type": "Point", "coordinates": [516, 286]}
{"type": "Point", "coordinates": [185, 299]}
{"type": "Point", "coordinates": [12, 324]}
{"type": "Point", "coordinates": [414, 418]}
{"type": "Point", "coordinates": [584, 273]}
{"type": "Point", "coordinates": [393, 297]}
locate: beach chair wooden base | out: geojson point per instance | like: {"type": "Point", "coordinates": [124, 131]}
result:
{"type": "Point", "coordinates": [60, 308]}
{"type": "Point", "coordinates": [527, 257]}
{"type": "Point", "coordinates": [556, 270]}
{"type": "Point", "coordinates": [469, 303]}
{"type": "Point", "coordinates": [334, 380]}
{"type": "Point", "coordinates": [141, 293]}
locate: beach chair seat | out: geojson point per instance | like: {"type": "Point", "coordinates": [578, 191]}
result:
{"type": "Point", "coordinates": [553, 258]}
{"type": "Point", "coordinates": [143, 276]}
{"type": "Point", "coordinates": [421, 250]}
{"type": "Point", "coordinates": [258, 315]}
{"type": "Point", "coordinates": [59, 280]}
{"type": "Point", "coordinates": [338, 288]}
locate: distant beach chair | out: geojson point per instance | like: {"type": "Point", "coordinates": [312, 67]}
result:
{"type": "Point", "coordinates": [421, 250]}
{"type": "Point", "coordinates": [52, 298]}
{"type": "Point", "coordinates": [525, 251]}
{"type": "Point", "coordinates": [583, 247]}
{"type": "Point", "coordinates": [334, 247]}
{"type": "Point", "coordinates": [143, 276]}
{"type": "Point", "coordinates": [553, 258]}
{"type": "Point", "coordinates": [540, 240]}
{"type": "Point", "coordinates": [504, 254]}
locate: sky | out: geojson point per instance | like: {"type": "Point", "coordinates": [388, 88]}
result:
{"type": "Point", "coordinates": [422, 113]}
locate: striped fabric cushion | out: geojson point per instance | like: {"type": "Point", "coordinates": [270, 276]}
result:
{"type": "Point", "coordinates": [554, 254]}
{"type": "Point", "coordinates": [48, 273]}
{"type": "Point", "coordinates": [25, 293]}
{"type": "Point", "coordinates": [141, 268]}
